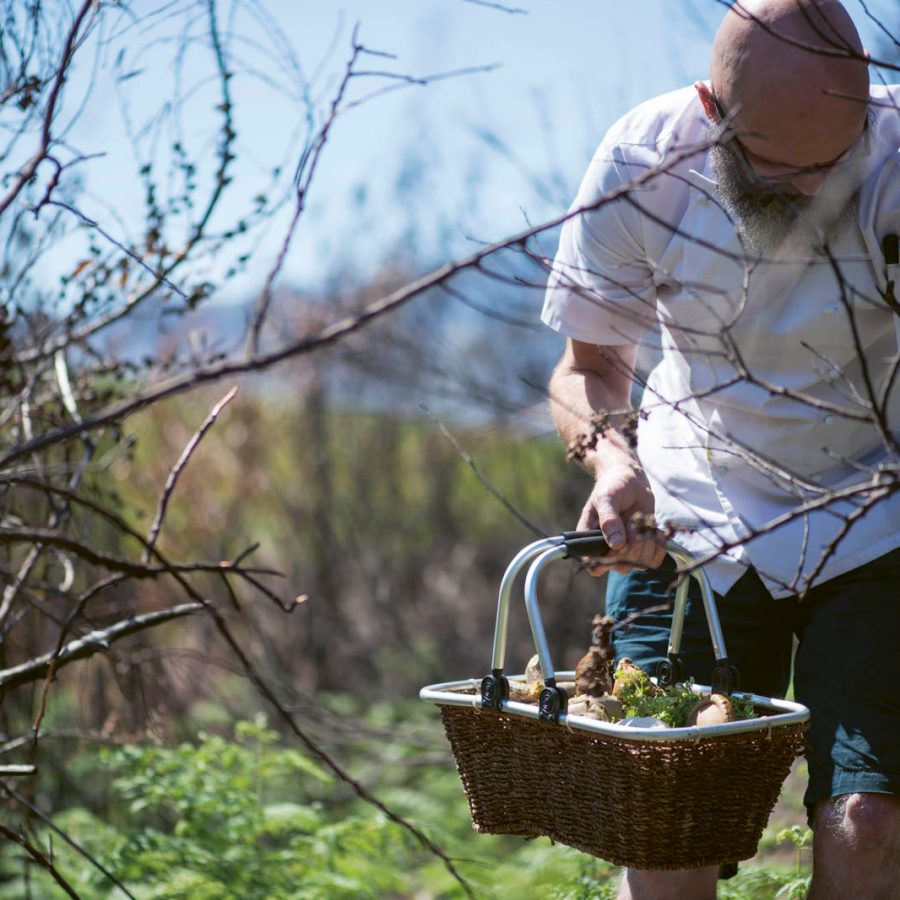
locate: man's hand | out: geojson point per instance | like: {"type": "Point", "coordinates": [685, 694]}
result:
{"type": "Point", "coordinates": [589, 379]}
{"type": "Point", "coordinates": [622, 495]}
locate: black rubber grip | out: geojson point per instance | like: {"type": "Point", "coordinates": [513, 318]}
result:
{"type": "Point", "coordinates": [585, 543]}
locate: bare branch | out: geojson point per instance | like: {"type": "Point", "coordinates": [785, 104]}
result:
{"type": "Point", "coordinates": [78, 848]}
{"type": "Point", "coordinates": [160, 277]}
{"type": "Point", "coordinates": [30, 168]}
{"type": "Point", "coordinates": [512, 10]}
{"type": "Point", "coordinates": [306, 169]}
{"type": "Point", "coordinates": [97, 641]}
{"type": "Point", "coordinates": [335, 332]}
{"type": "Point", "coordinates": [178, 468]}
{"type": "Point", "coordinates": [39, 858]}
{"type": "Point", "coordinates": [504, 502]}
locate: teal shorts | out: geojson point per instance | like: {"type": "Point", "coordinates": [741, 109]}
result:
{"type": "Point", "coordinates": [845, 664]}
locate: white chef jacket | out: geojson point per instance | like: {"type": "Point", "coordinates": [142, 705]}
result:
{"type": "Point", "coordinates": [731, 457]}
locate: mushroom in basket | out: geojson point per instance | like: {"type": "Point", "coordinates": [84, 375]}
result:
{"type": "Point", "coordinates": [715, 710]}
{"type": "Point", "coordinates": [594, 676]}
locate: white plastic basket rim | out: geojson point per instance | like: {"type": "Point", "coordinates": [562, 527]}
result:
{"type": "Point", "coordinates": [784, 712]}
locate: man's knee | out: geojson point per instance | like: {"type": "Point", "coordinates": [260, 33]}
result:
{"type": "Point", "coordinates": [862, 823]}
{"type": "Point", "coordinates": [856, 849]}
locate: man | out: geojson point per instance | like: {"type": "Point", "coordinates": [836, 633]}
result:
{"type": "Point", "coordinates": [742, 224]}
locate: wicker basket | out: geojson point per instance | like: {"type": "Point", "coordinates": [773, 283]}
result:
{"type": "Point", "coordinates": [649, 799]}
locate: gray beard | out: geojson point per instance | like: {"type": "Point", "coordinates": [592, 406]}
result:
{"type": "Point", "coordinates": [771, 220]}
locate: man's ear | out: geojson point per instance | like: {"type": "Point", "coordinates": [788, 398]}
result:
{"type": "Point", "coordinates": [704, 92]}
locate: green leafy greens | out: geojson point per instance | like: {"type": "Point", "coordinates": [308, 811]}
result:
{"type": "Point", "coordinates": [639, 696]}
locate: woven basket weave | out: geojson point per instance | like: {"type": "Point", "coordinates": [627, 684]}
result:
{"type": "Point", "coordinates": [642, 804]}
{"type": "Point", "coordinates": [675, 798]}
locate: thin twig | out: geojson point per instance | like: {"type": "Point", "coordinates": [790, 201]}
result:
{"type": "Point", "coordinates": [46, 536]}
{"type": "Point", "coordinates": [493, 491]}
{"type": "Point", "coordinates": [39, 858]}
{"type": "Point", "coordinates": [78, 610]}
{"type": "Point", "coordinates": [81, 851]}
{"type": "Point", "coordinates": [160, 277]}
{"type": "Point", "coordinates": [512, 10]}
{"type": "Point", "coordinates": [178, 468]}
{"type": "Point", "coordinates": [306, 168]}
{"type": "Point", "coordinates": [30, 168]}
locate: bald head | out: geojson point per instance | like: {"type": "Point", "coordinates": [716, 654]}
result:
{"type": "Point", "coordinates": [793, 75]}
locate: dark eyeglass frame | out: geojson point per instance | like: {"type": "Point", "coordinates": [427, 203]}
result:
{"type": "Point", "coordinates": [860, 149]}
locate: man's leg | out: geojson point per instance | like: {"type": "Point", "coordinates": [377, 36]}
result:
{"type": "Point", "coordinates": [856, 852]}
{"type": "Point", "coordinates": [684, 884]}
{"type": "Point", "coordinates": [846, 673]}
{"type": "Point", "coordinates": [758, 634]}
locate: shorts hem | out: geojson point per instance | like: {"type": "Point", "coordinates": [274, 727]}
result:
{"type": "Point", "coordinates": [844, 782]}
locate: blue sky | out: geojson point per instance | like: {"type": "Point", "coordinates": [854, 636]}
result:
{"type": "Point", "coordinates": [462, 159]}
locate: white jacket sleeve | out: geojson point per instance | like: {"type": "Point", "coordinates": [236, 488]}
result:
{"type": "Point", "coordinates": [601, 287]}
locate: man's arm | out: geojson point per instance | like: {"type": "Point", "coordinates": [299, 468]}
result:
{"type": "Point", "coordinates": [586, 380]}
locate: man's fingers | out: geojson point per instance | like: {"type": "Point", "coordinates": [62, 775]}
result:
{"type": "Point", "coordinates": [644, 552]}
{"type": "Point", "coordinates": [632, 556]}
{"type": "Point", "coordinates": [647, 546]}
{"type": "Point", "coordinates": [641, 552]}
{"type": "Point", "coordinates": [588, 520]}
{"type": "Point", "coordinates": [610, 523]}
{"type": "Point", "coordinates": [630, 547]}
{"type": "Point", "coordinates": [659, 554]}
{"type": "Point", "coordinates": [623, 560]}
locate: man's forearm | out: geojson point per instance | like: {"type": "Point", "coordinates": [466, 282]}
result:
{"type": "Point", "coordinates": [589, 402]}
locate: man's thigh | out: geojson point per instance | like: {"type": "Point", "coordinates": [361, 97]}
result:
{"type": "Point", "coordinates": [846, 672]}
{"type": "Point", "coordinates": [757, 629]}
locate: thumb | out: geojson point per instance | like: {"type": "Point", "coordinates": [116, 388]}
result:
{"type": "Point", "coordinates": [610, 522]}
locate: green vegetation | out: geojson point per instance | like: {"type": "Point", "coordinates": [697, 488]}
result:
{"type": "Point", "coordinates": [672, 705]}
{"type": "Point", "coordinates": [248, 818]}
{"type": "Point", "coordinates": [228, 819]}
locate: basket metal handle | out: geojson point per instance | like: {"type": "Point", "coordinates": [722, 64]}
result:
{"type": "Point", "coordinates": [495, 688]}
